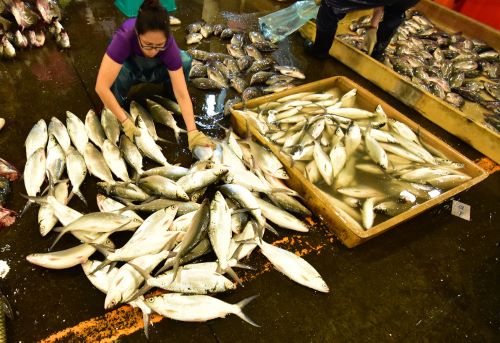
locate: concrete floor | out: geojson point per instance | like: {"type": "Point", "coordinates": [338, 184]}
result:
{"type": "Point", "coordinates": [433, 278]}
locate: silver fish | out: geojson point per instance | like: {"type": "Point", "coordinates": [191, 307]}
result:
{"type": "Point", "coordinates": [37, 138]}
{"type": "Point", "coordinates": [293, 266]}
{"type": "Point", "coordinates": [94, 129]}
{"type": "Point", "coordinates": [194, 38]}
{"type": "Point", "coordinates": [196, 308]}
{"type": "Point", "coordinates": [114, 160]}
{"type": "Point", "coordinates": [77, 132]}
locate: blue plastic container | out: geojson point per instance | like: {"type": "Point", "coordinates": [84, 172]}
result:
{"type": "Point", "coordinates": [131, 7]}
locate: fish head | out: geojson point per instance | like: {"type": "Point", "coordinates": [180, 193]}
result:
{"type": "Point", "coordinates": [113, 298]}
{"type": "Point", "coordinates": [182, 195]}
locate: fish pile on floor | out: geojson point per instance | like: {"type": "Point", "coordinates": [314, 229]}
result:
{"type": "Point", "coordinates": [450, 66]}
{"type": "Point", "coordinates": [244, 68]}
{"type": "Point", "coordinates": [23, 24]}
{"type": "Point", "coordinates": [364, 162]}
{"type": "Point", "coordinates": [7, 173]}
{"type": "Point", "coordinates": [223, 203]}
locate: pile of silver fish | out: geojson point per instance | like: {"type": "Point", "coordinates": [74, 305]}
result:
{"type": "Point", "coordinates": [446, 65]}
{"type": "Point", "coordinates": [23, 24]}
{"type": "Point", "coordinates": [224, 203]}
{"type": "Point", "coordinates": [8, 173]}
{"type": "Point", "coordinates": [363, 161]}
{"type": "Point", "coordinates": [244, 67]}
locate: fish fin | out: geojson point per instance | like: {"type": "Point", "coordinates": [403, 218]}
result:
{"type": "Point", "coordinates": [163, 140]}
{"type": "Point", "coordinates": [240, 313]}
{"type": "Point", "coordinates": [272, 229]}
{"type": "Point", "coordinates": [175, 269]}
{"type": "Point", "coordinates": [181, 130]}
{"type": "Point", "coordinates": [233, 275]}
{"type": "Point", "coordinates": [243, 266]}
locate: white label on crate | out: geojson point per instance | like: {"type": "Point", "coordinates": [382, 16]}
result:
{"type": "Point", "coordinates": [460, 210]}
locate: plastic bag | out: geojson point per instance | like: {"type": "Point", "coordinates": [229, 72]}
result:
{"type": "Point", "coordinates": [279, 24]}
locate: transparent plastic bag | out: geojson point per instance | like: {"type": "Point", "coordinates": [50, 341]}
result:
{"type": "Point", "coordinates": [279, 24]}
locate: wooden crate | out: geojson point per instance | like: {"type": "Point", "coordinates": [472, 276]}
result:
{"type": "Point", "coordinates": [466, 123]}
{"type": "Point", "coordinates": [315, 199]}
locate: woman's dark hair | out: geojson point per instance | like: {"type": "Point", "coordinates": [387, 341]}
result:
{"type": "Point", "coordinates": [152, 16]}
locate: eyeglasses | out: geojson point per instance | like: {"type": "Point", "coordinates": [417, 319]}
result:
{"type": "Point", "coordinates": [150, 47]}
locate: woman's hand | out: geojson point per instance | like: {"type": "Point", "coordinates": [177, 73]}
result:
{"type": "Point", "coordinates": [130, 129]}
{"type": "Point", "coordinates": [198, 138]}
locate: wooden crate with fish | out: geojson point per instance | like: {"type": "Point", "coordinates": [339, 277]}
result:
{"type": "Point", "coordinates": [358, 163]}
{"type": "Point", "coordinates": [438, 59]}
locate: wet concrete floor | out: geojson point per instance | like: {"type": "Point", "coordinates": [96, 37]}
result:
{"type": "Point", "coordinates": [433, 278]}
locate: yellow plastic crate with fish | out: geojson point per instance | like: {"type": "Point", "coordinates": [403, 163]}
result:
{"type": "Point", "coordinates": [457, 57]}
{"type": "Point", "coordinates": [357, 162]}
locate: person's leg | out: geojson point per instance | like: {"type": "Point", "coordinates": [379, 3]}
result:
{"type": "Point", "coordinates": [326, 27]}
{"type": "Point", "coordinates": [124, 81]}
{"type": "Point", "coordinates": [393, 17]}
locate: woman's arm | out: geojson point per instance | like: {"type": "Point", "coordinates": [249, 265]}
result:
{"type": "Point", "coordinates": [182, 95]}
{"type": "Point", "coordinates": [105, 78]}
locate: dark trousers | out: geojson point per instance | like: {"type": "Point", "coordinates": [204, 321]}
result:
{"type": "Point", "coordinates": [331, 12]}
{"type": "Point", "coordinates": [145, 70]}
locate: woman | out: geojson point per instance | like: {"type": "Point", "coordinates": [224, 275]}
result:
{"type": "Point", "coordinates": [143, 50]}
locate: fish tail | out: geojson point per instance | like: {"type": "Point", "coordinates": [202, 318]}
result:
{"type": "Point", "coordinates": [176, 269]}
{"type": "Point", "coordinates": [38, 200]}
{"type": "Point", "coordinates": [233, 275]}
{"type": "Point", "coordinates": [57, 239]}
{"type": "Point", "coordinates": [240, 313]}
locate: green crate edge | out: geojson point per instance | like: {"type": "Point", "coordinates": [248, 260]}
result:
{"type": "Point", "coordinates": [130, 7]}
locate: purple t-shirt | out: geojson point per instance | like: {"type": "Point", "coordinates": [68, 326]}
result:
{"type": "Point", "coordinates": [125, 45]}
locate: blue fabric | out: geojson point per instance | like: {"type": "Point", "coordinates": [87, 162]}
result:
{"type": "Point", "coordinates": [138, 69]}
